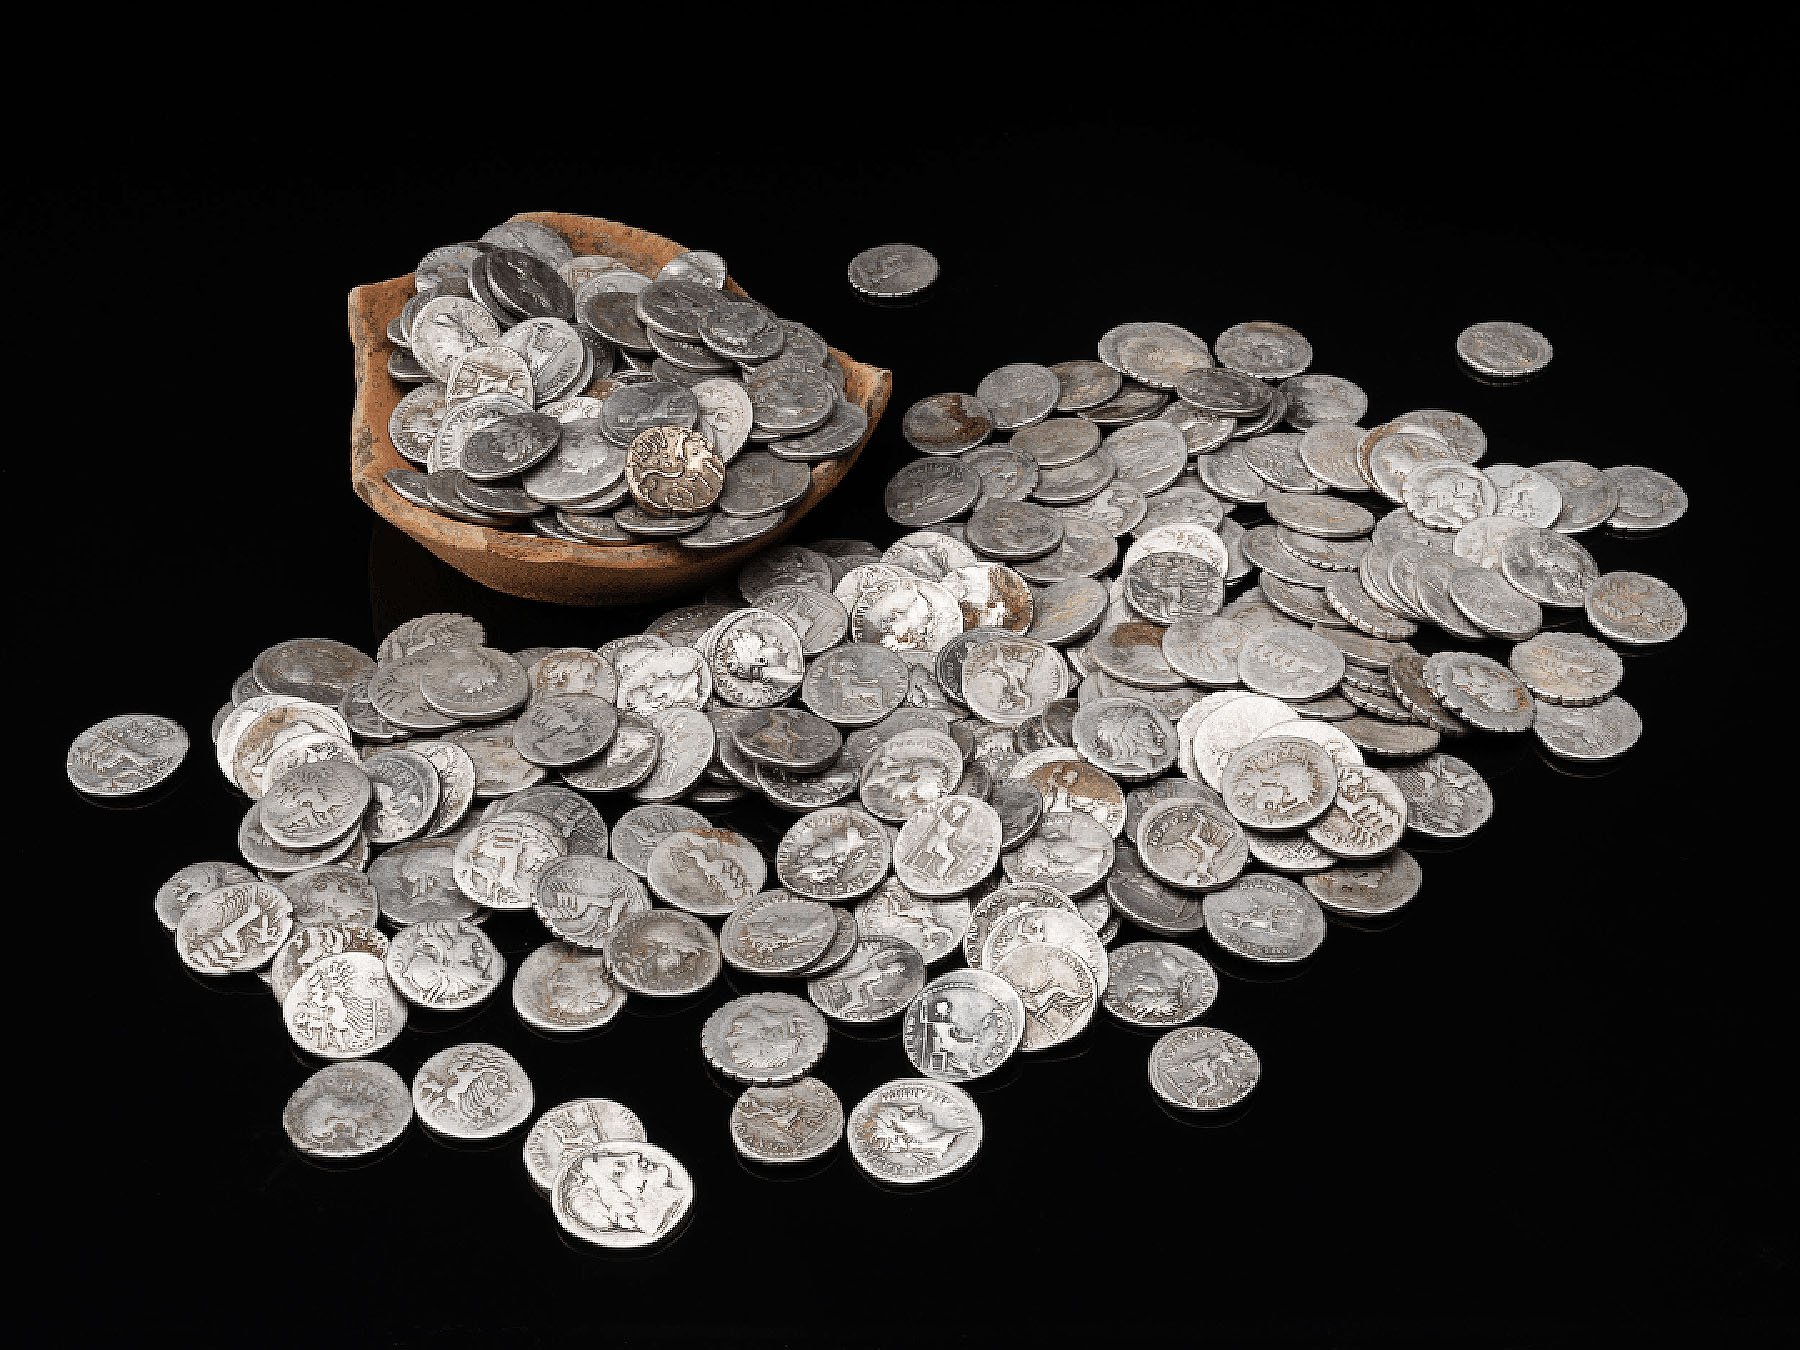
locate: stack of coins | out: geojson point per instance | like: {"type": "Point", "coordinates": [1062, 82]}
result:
{"type": "Point", "coordinates": [573, 396]}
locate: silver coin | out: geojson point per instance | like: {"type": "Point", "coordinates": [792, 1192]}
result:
{"type": "Point", "coordinates": [1525, 495]}
{"type": "Point", "coordinates": [1373, 889]}
{"type": "Point", "coordinates": [561, 988]}
{"type": "Point", "coordinates": [564, 1132]}
{"type": "Point", "coordinates": [1502, 350]}
{"type": "Point", "coordinates": [416, 882]}
{"type": "Point", "coordinates": [963, 1025]}
{"type": "Point", "coordinates": [622, 1195]}
{"type": "Point", "coordinates": [835, 854]}
{"type": "Point", "coordinates": [664, 953]}
{"type": "Point", "coordinates": [235, 928]}
{"type": "Point", "coordinates": [764, 1038]}
{"type": "Point", "coordinates": [913, 1130]}
{"type": "Point", "coordinates": [1279, 783]}
{"type": "Point", "coordinates": [125, 756]}
{"type": "Point", "coordinates": [1149, 455]}
{"type": "Point", "coordinates": [582, 898]}
{"type": "Point", "coordinates": [1158, 984]}
{"type": "Point", "coordinates": [1070, 852]}
{"type": "Point", "coordinates": [175, 895]}
{"type": "Point", "coordinates": [1266, 919]}
{"type": "Point", "coordinates": [946, 848]}
{"type": "Point", "coordinates": [1205, 650]}
{"type": "Point", "coordinates": [1648, 500]}
{"type": "Point", "coordinates": [1203, 1069]}
{"type": "Point", "coordinates": [1571, 669]}
{"type": "Point", "coordinates": [1290, 663]}
{"type": "Point", "coordinates": [908, 771]}
{"type": "Point", "coordinates": [1190, 843]}
{"type": "Point", "coordinates": [472, 1091]}
{"type": "Point", "coordinates": [705, 870]}
{"type": "Point", "coordinates": [1446, 798]}
{"type": "Point", "coordinates": [1368, 817]}
{"type": "Point", "coordinates": [947, 424]}
{"type": "Point", "coordinates": [1634, 608]}
{"type": "Point", "coordinates": [876, 982]}
{"type": "Point", "coordinates": [1069, 783]}
{"type": "Point", "coordinates": [1057, 989]}
{"type": "Point", "coordinates": [1589, 498]}
{"type": "Point", "coordinates": [498, 864]}
{"type": "Point", "coordinates": [344, 1007]}
{"type": "Point", "coordinates": [1390, 740]}
{"type": "Point", "coordinates": [444, 963]}
{"type": "Point", "coordinates": [1154, 354]}
{"type": "Point", "coordinates": [1481, 691]}
{"type": "Point", "coordinates": [347, 1111]}
{"type": "Point", "coordinates": [933, 928]}
{"type": "Point", "coordinates": [1592, 732]}
{"type": "Point", "coordinates": [313, 805]}
{"type": "Point", "coordinates": [331, 893]}
{"type": "Point", "coordinates": [855, 685]}
{"type": "Point", "coordinates": [787, 1123]}
{"type": "Point", "coordinates": [1271, 351]}
{"type": "Point", "coordinates": [475, 684]}
{"type": "Point", "coordinates": [1223, 392]}
{"type": "Point", "coordinates": [777, 933]}
{"type": "Point", "coordinates": [893, 271]}
{"type": "Point", "coordinates": [1019, 395]}
{"type": "Point", "coordinates": [1314, 399]}
{"type": "Point", "coordinates": [445, 328]}
{"type": "Point", "coordinates": [638, 831]}
{"type": "Point", "coordinates": [562, 729]}
{"type": "Point", "coordinates": [1037, 925]}
{"type": "Point", "coordinates": [686, 742]}
{"type": "Point", "coordinates": [1008, 678]}
{"type": "Point", "coordinates": [629, 759]}
{"type": "Point", "coordinates": [405, 793]}
{"type": "Point", "coordinates": [929, 491]}
{"type": "Point", "coordinates": [1128, 740]}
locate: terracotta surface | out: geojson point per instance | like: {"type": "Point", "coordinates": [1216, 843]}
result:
{"type": "Point", "coordinates": [529, 565]}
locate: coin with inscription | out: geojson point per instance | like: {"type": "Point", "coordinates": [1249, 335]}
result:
{"type": "Point", "coordinates": [1634, 608]}
{"type": "Point", "coordinates": [563, 988]}
{"type": "Point", "coordinates": [877, 981]}
{"type": "Point", "coordinates": [777, 933]}
{"type": "Point", "coordinates": [946, 848]}
{"type": "Point", "coordinates": [787, 1123]}
{"type": "Point", "coordinates": [344, 1007]}
{"type": "Point", "coordinates": [234, 929]}
{"type": "Point", "coordinates": [1203, 1069]}
{"type": "Point", "coordinates": [125, 756]}
{"type": "Point", "coordinates": [472, 1091]}
{"type": "Point", "coordinates": [913, 1131]}
{"type": "Point", "coordinates": [1158, 984]}
{"type": "Point", "coordinates": [347, 1111]}
{"type": "Point", "coordinates": [444, 963]}
{"type": "Point", "coordinates": [963, 1025]}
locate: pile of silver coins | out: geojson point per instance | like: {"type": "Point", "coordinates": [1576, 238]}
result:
{"type": "Point", "coordinates": [1076, 694]}
{"type": "Point", "coordinates": [576, 397]}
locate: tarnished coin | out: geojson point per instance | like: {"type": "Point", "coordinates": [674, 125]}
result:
{"type": "Point", "coordinates": [836, 854]}
{"type": "Point", "coordinates": [947, 424]}
{"type": "Point", "coordinates": [816, 617]}
{"type": "Point", "coordinates": [474, 684]}
{"type": "Point", "coordinates": [344, 1007]}
{"type": "Point", "coordinates": [913, 1130]}
{"type": "Point", "coordinates": [673, 471]}
{"type": "Point", "coordinates": [1370, 890]}
{"type": "Point", "coordinates": [787, 1123]}
{"type": "Point", "coordinates": [1571, 669]}
{"type": "Point", "coordinates": [331, 893]}
{"type": "Point", "coordinates": [1158, 984]}
{"type": "Point", "coordinates": [963, 1025]}
{"type": "Point", "coordinates": [1070, 852]}
{"type": "Point", "coordinates": [416, 882]}
{"type": "Point", "coordinates": [622, 1195]}
{"type": "Point", "coordinates": [946, 848]}
{"type": "Point", "coordinates": [472, 1091]}
{"type": "Point", "coordinates": [788, 400]}
{"type": "Point", "coordinates": [1203, 1069]}
{"type": "Point", "coordinates": [777, 933]}
{"type": "Point", "coordinates": [1154, 354]}
{"type": "Point", "coordinates": [757, 661]}
{"type": "Point", "coordinates": [1085, 384]}
{"type": "Point", "coordinates": [1167, 586]}
{"type": "Point", "coordinates": [908, 771]}
{"type": "Point", "coordinates": [1446, 798]}
{"type": "Point", "coordinates": [498, 864]}
{"type": "Point", "coordinates": [1223, 392]}
{"type": "Point", "coordinates": [444, 963]}
{"type": "Point", "coordinates": [347, 1111]}
{"type": "Point", "coordinates": [707, 870]}
{"type": "Point", "coordinates": [664, 953]}
{"type": "Point", "coordinates": [1018, 395]}
{"type": "Point", "coordinates": [929, 491]}
{"type": "Point", "coordinates": [582, 898]}
{"type": "Point", "coordinates": [1648, 500]}
{"type": "Point", "coordinates": [893, 271]}
{"type": "Point", "coordinates": [764, 1038]}
{"type": "Point", "coordinates": [561, 988]}
{"type": "Point", "coordinates": [510, 446]}
{"type": "Point", "coordinates": [1205, 650]}
{"type": "Point", "coordinates": [877, 981]}
{"type": "Point", "coordinates": [1129, 740]}
{"type": "Point", "coordinates": [564, 1132]}
{"type": "Point", "coordinates": [563, 729]}
{"type": "Point", "coordinates": [1067, 782]}
{"type": "Point", "coordinates": [1634, 608]}
{"type": "Point", "coordinates": [1007, 472]}
{"type": "Point", "coordinates": [1502, 350]}
{"type": "Point", "coordinates": [1266, 919]}
{"type": "Point", "coordinates": [125, 756]}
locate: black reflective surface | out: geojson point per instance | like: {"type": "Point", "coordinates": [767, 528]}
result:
{"type": "Point", "coordinates": [1547, 1097]}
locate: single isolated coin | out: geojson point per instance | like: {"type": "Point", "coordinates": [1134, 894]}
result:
{"type": "Point", "coordinates": [892, 271]}
{"type": "Point", "coordinates": [914, 1130]}
{"type": "Point", "coordinates": [348, 1111]}
{"type": "Point", "coordinates": [622, 1195]}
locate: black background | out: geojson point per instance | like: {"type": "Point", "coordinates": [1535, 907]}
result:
{"type": "Point", "coordinates": [1545, 1105]}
